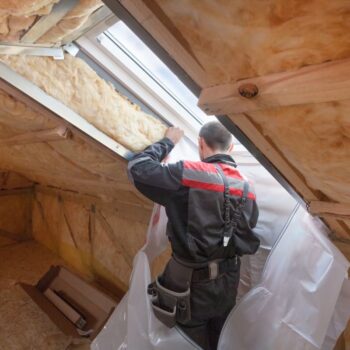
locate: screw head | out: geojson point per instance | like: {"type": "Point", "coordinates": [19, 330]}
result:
{"type": "Point", "coordinates": [248, 90]}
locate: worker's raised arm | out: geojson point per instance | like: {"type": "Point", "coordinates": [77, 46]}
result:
{"type": "Point", "coordinates": [152, 178]}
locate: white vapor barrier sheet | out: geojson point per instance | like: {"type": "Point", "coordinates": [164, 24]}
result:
{"type": "Point", "coordinates": [133, 326]}
{"type": "Point", "coordinates": [302, 301]}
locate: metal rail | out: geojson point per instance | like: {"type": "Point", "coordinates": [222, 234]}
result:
{"type": "Point", "coordinates": [30, 50]}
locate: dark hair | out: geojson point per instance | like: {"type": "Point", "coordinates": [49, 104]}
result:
{"type": "Point", "coordinates": [216, 136]}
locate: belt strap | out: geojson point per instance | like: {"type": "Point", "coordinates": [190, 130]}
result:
{"type": "Point", "coordinates": [208, 272]}
{"type": "Point", "coordinates": [231, 222]}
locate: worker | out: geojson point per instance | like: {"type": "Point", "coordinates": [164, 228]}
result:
{"type": "Point", "coordinates": [211, 211]}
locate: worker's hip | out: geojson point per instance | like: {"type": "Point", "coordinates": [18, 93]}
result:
{"type": "Point", "coordinates": [212, 298]}
{"type": "Point", "coordinates": [186, 291]}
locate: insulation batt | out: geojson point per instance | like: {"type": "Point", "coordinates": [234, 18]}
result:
{"type": "Point", "coordinates": [316, 140]}
{"type": "Point", "coordinates": [72, 21]}
{"type": "Point", "coordinates": [75, 84]}
{"type": "Point", "coordinates": [252, 38]}
{"type": "Point", "coordinates": [16, 17]}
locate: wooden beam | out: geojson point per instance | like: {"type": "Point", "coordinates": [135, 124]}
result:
{"type": "Point", "coordinates": [56, 134]}
{"type": "Point", "coordinates": [165, 36]}
{"type": "Point", "coordinates": [16, 191]}
{"type": "Point", "coordinates": [312, 84]}
{"type": "Point", "coordinates": [330, 209]}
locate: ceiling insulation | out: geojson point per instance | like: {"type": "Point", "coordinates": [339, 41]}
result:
{"type": "Point", "coordinates": [241, 39]}
{"type": "Point", "coordinates": [17, 17]}
{"type": "Point", "coordinates": [75, 84]}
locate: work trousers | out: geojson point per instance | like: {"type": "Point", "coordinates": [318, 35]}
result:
{"type": "Point", "coordinates": [211, 302]}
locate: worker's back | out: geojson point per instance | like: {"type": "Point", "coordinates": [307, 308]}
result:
{"type": "Point", "coordinates": [196, 210]}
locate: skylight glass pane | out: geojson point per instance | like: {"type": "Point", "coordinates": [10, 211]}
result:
{"type": "Point", "coordinates": [154, 67]}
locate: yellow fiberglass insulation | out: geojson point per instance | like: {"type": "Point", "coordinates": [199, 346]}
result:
{"type": "Point", "coordinates": [16, 17]}
{"type": "Point", "coordinates": [75, 84]}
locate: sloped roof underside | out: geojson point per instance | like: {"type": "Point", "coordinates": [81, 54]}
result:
{"type": "Point", "coordinates": [219, 42]}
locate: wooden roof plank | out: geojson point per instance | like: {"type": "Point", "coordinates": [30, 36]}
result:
{"type": "Point", "coordinates": [154, 26]}
{"type": "Point", "coordinates": [56, 134]}
{"type": "Point", "coordinates": [330, 208]}
{"type": "Point", "coordinates": [312, 84]}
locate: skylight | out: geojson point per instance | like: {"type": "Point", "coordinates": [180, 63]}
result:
{"type": "Point", "coordinates": [170, 84]}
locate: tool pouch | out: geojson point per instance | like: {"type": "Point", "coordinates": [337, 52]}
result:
{"type": "Point", "coordinates": [171, 306]}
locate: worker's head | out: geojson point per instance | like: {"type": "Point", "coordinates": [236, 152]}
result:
{"type": "Point", "coordinates": [214, 139]}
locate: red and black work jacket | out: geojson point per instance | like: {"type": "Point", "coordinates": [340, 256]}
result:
{"type": "Point", "coordinates": [192, 194]}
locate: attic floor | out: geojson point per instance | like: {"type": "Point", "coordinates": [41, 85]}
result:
{"type": "Point", "coordinates": [23, 324]}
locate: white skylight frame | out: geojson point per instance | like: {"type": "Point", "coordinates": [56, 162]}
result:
{"type": "Point", "coordinates": [114, 57]}
{"type": "Point", "coordinates": [130, 74]}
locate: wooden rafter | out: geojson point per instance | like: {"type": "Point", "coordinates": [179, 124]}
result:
{"type": "Point", "coordinates": [312, 84]}
{"type": "Point", "coordinates": [154, 25]}
{"type": "Point", "coordinates": [16, 191]}
{"type": "Point", "coordinates": [330, 209]}
{"type": "Point", "coordinates": [55, 134]}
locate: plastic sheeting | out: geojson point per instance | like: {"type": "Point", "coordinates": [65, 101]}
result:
{"type": "Point", "coordinates": [133, 325]}
{"type": "Point", "coordinates": [294, 304]}
{"type": "Point", "coordinates": [287, 310]}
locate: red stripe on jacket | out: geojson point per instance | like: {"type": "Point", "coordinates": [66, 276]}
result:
{"type": "Point", "coordinates": [215, 188]}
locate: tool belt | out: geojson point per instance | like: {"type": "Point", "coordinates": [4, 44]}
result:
{"type": "Point", "coordinates": [174, 305]}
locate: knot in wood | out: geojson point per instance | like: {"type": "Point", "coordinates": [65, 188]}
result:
{"type": "Point", "coordinates": [248, 90]}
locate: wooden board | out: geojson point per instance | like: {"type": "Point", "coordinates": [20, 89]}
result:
{"type": "Point", "coordinates": [313, 84]}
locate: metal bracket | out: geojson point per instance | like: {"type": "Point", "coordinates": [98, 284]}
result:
{"type": "Point", "coordinates": [213, 270]}
{"type": "Point", "coordinates": [72, 49]}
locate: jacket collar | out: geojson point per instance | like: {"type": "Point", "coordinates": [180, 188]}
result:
{"type": "Point", "coordinates": [221, 158]}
